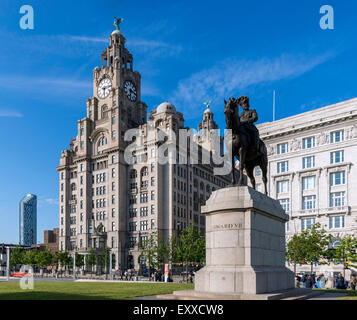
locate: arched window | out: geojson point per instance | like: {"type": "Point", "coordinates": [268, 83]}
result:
{"type": "Point", "coordinates": [195, 183]}
{"type": "Point", "coordinates": [73, 187]}
{"type": "Point", "coordinates": [202, 186]}
{"type": "Point", "coordinates": [104, 112]}
{"type": "Point", "coordinates": [133, 174]}
{"type": "Point", "coordinates": [144, 172]}
{"type": "Point", "coordinates": [208, 189]}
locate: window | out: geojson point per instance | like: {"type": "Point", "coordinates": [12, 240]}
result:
{"type": "Point", "coordinates": [152, 167]}
{"type": "Point", "coordinates": [114, 134]}
{"type": "Point", "coordinates": [283, 186]}
{"type": "Point", "coordinates": [143, 212]}
{"type": "Point", "coordinates": [282, 166]}
{"type": "Point", "coordinates": [113, 242]}
{"type": "Point", "coordinates": [152, 181]}
{"type": "Point", "coordinates": [113, 173]}
{"type": "Point", "coordinates": [132, 241]}
{"type": "Point", "coordinates": [308, 162]}
{"type": "Point", "coordinates": [113, 120]}
{"type": "Point", "coordinates": [337, 178]}
{"type": "Point", "coordinates": [153, 224]}
{"type": "Point", "coordinates": [113, 159]}
{"type": "Point", "coordinates": [143, 197]}
{"type": "Point", "coordinates": [285, 203]}
{"type": "Point", "coordinates": [105, 112]}
{"type": "Point", "coordinates": [309, 183]}
{"type": "Point", "coordinates": [144, 172]}
{"type": "Point", "coordinates": [336, 222]}
{"type": "Point", "coordinates": [307, 223]}
{"type": "Point", "coordinates": [82, 131]}
{"type": "Point", "coordinates": [308, 202]}
{"type": "Point", "coordinates": [337, 157]}
{"type": "Point", "coordinates": [113, 226]}
{"type": "Point", "coordinates": [152, 195]}
{"type": "Point", "coordinates": [283, 148]}
{"type": "Point", "coordinates": [258, 172]}
{"type": "Point", "coordinates": [132, 226]}
{"type": "Point", "coordinates": [152, 209]}
{"type": "Point", "coordinates": [113, 212]}
{"type": "Point", "coordinates": [143, 225]}
{"type": "Point", "coordinates": [337, 136]}
{"type": "Point", "coordinates": [308, 143]}
{"type": "Point", "coordinates": [287, 226]}
{"type": "Point", "coordinates": [82, 144]}
{"type": "Point", "coordinates": [337, 199]}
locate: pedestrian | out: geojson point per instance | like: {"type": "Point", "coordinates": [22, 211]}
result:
{"type": "Point", "coordinates": [313, 280]}
{"type": "Point", "coordinates": [353, 282]}
{"type": "Point", "coordinates": [309, 282]}
{"type": "Point", "coordinates": [126, 275]}
{"type": "Point", "coordinates": [340, 282]}
{"type": "Point", "coordinates": [322, 281]}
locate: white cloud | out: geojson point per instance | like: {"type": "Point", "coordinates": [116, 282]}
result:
{"type": "Point", "coordinates": [231, 75]}
{"type": "Point", "coordinates": [45, 85]}
{"type": "Point", "coordinates": [10, 114]}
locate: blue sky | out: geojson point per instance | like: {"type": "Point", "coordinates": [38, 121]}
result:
{"type": "Point", "coordinates": [186, 51]}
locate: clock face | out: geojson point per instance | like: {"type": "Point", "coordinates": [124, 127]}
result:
{"type": "Point", "coordinates": [130, 90]}
{"type": "Point", "coordinates": [104, 88]}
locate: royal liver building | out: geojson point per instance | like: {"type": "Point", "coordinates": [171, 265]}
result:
{"type": "Point", "coordinates": [104, 201]}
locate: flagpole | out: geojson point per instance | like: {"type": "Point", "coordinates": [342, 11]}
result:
{"type": "Point", "coordinates": [274, 106]}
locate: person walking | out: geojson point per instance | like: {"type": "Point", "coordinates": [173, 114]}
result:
{"type": "Point", "coordinates": [340, 282]}
{"type": "Point", "coordinates": [322, 280]}
{"type": "Point", "coordinates": [309, 282]}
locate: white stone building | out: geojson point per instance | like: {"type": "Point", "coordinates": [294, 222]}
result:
{"type": "Point", "coordinates": [312, 169]}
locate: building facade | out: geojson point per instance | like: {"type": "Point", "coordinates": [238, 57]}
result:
{"type": "Point", "coordinates": [312, 168]}
{"type": "Point", "coordinates": [106, 201]}
{"type": "Point", "coordinates": [50, 241]}
{"type": "Point", "coordinates": [28, 220]}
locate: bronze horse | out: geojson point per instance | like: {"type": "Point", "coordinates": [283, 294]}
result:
{"type": "Point", "coordinates": [242, 147]}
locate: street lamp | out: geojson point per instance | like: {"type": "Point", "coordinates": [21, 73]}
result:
{"type": "Point", "coordinates": [8, 263]}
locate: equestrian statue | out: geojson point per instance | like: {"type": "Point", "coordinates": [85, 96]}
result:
{"type": "Point", "coordinates": [245, 144]}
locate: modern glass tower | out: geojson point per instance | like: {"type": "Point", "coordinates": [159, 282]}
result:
{"type": "Point", "coordinates": [28, 220]}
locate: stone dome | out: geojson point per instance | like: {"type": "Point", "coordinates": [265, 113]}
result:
{"type": "Point", "coordinates": [208, 110]}
{"type": "Point", "coordinates": [116, 32]}
{"type": "Point", "coordinates": [166, 107]}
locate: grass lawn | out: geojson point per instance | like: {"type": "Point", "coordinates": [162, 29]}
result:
{"type": "Point", "coordinates": [351, 294]}
{"type": "Point", "coordinates": [84, 291]}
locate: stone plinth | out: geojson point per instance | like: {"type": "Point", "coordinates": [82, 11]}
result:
{"type": "Point", "coordinates": [245, 245]}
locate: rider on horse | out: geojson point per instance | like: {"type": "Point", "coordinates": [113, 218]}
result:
{"type": "Point", "coordinates": [247, 119]}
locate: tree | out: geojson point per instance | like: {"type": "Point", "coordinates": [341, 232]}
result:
{"type": "Point", "coordinates": [91, 259]}
{"type": "Point", "coordinates": [17, 256]}
{"type": "Point", "coordinates": [297, 248]}
{"type": "Point", "coordinates": [317, 242]}
{"type": "Point", "coordinates": [190, 246]}
{"type": "Point", "coordinates": [149, 250]}
{"type": "Point", "coordinates": [79, 260]}
{"type": "Point", "coordinates": [63, 258]}
{"type": "Point", "coordinates": [31, 258]}
{"type": "Point", "coordinates": [44, 258]}
{"type": "Point", "coordinates": [347, 250]}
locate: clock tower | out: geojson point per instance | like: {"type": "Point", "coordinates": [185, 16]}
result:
{"type": "Point", "coordinates": [117, 87]}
